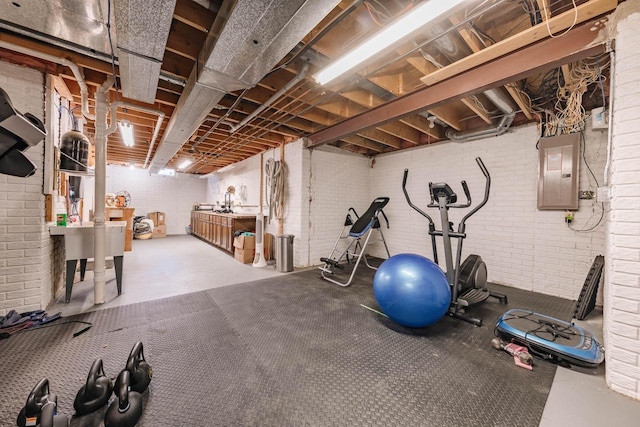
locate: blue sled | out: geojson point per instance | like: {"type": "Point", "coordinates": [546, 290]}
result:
{"type": "Point", "coordinates": [550, 338]}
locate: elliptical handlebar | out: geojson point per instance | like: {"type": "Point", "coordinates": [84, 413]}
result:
{"type": "Point", "coordinates": [406, 195]}
{"type": "Point", "coordinates": [484, 201]}
{"type": "Point", "coordinates": [465, 188]}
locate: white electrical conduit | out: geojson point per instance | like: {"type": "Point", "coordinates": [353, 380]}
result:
{"type": "Point", "coordinates": [612, 73]}
{"type": "Point", "coordinates": [274, 171]}
{"type": "Point", "coordinates": [113, 125]}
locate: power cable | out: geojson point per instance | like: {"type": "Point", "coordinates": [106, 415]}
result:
{"type": "Point", "coordinates": [113, 57]}
{"type": "Point", "coordinates": [584, 159]}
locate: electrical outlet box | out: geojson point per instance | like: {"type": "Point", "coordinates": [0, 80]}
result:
{"type": "Point", "coordinates": [602, 194]}
{"type": "Point", "coordinates": [599, 119]}
{"type": "Point", "coordinates": [586, 195]}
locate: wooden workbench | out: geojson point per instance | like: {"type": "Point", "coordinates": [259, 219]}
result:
{"type": "Point", "coordinates": [218, 228]}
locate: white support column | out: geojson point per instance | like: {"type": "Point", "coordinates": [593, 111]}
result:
{"type": "Point", "coordinates": [101, 110]}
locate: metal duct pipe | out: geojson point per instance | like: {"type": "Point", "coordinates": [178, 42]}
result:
{"type": "Point", "coordinates": [113, 124]}
{"type": "Point", "coordinates": [503, 125]}
{"type": "Point", "coordinates": [99, 221]}
{"type": "Point", "coordinates": [301, 75]}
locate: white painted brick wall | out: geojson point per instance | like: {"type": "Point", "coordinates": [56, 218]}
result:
{"type": "Point", "coordinates": [174, 196]}
{"type": "Point", "coordinates": [339, 180]}
{"type": "Point", "coordinates": [25, 249]}
{"type": "Point", "coordinates": [522, 246]}
{"type": "Point", "coordinates": [622, 276]}
{"type": "Point", "coordinates": [296, 212]}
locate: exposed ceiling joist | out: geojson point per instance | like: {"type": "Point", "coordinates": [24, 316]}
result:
{"type": "Point", "coordinates": [579, 43]}
{"type": "Point", "coordinates": [555, 25]}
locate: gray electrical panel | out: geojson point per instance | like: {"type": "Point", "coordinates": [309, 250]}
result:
{"type": "Point", "coordinates": [558, 172]}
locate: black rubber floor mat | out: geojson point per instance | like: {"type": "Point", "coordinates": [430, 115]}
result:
{"type": "Point", "coordinates": [290, 351]}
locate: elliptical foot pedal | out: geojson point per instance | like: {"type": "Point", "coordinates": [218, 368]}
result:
{"type": "Point", "coordinates": [475, 296]}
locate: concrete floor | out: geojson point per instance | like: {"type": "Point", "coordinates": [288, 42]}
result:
{"type": "Point", "coordinates": [160, 268]}
{"type": "Point", "coordinates": [182, 264]}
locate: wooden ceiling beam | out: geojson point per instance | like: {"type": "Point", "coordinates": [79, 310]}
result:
{"type": "Point", "coordinates": [185, 41]}
{"type": "Point", "coordinates": [193, 14]}
{"type": "Point", "coordinates": [80, 60]}
{"type": "Point", "coordinates": [381, 138]}
{"type": "Point", "coordinates": [423, 125]}
{"type": "Point", "coordinates": [447, 115]}
{"type": "Point", "coordinates": [523, 104]}
{"type": "Point", "coordinates": [474, 43]}
{"type": "Point", "coordinates": [560, 23]}
{"type": "Point", "coordinates": [582, 42]}
{"type": "Point", "coordinates": [270, 140]}
{"type": "Point", "coordinates": [362, 142]}
{"type": "Point", "coordinates": [177, 65]}
{"type": "Point", "coordinates": [401, 131]}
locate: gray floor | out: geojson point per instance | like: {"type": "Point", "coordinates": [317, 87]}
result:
{"type": "Point", "coordinates": [183, 264]}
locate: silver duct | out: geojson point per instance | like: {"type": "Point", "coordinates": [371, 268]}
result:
{"type": "Point", "coordinates": [142, 27]}
{"type": "Point", "coordinates": [503, 125]}
{"type": "Point", "coordinates": [448, 48]}
{"type": "Point", "coordinates": [245, 43]}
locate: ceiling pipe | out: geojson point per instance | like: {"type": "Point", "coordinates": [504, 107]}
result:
{"type": "Point", "coordinates": [113, 125]}
{"type": "Point", "coordinates": [75, 69]}
{"type": "Point", "coordinates": [503, 125]}
{"type": "Point", "coordinates": [448, 48]}
{"type": "Point", "coordinates": [300, 76]}
{"type": "Point", "coordinates": [99, 220]}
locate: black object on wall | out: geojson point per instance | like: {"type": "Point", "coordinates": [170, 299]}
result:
{"type": "Point", "coordinates": [18, 132]}
{"type": "Point", "coordinates": [587, 299]}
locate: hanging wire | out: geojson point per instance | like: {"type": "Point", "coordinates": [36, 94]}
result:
{"type": "Point", "coordinates": [584, 159]}
{"type": "Point", "coordinates": [113, 58]}
{"type": "Point", "coordinates": [74, 119]}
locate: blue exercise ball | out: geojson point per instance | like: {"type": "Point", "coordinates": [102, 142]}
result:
{"type": "Point", "coordinates": [412, 290]}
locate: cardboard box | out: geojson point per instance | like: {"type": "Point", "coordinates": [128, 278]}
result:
{"type": "Point", "coordinates": [159, 231]}
{"type": "Point", "coordinates": [245, 242]}
{"type": "Point", "coordinates": [268, 247]}
{"type": "Point", "coordinates": [245, 256]}
{"type": "Point", "coordinates": [157, 218]}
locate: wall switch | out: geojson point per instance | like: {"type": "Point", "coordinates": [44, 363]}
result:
{"type": "Point", "coordinates": [602, 195]}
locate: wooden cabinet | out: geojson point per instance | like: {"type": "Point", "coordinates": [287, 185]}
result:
{"type": "Point", "coordinates": [218, 229]}
{"type": "Point", "coordinates": [123, 214]}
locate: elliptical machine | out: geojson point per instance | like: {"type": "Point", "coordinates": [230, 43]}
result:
{"type": "Point", "coordinates": [467, 281]}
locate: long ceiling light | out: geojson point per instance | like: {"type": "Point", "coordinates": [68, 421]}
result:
{"type": "Point", "coordinates": [126, 132]}
{"type": "Point", "coordinates": [184, 164]}
{"type": "Point", "coordinates": [408, 23]}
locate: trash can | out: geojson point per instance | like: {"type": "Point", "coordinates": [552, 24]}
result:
{"type": "Point", "coordinates": [284, 253]}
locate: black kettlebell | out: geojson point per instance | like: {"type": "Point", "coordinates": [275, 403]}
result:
{"type": "Point", "coordinates": [139, 369]}
{"type": "Point", "coordinates": [96, 392]}
{"type": "Point", "coordinates": [41, 408]}
{"type": "Point", "coordinates": [125, 411]}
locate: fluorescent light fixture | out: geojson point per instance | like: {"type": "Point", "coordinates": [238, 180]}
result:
{"type": "Point", "coordinates": [126, 131]}
{"type": "Point", "coordinates": [167, 172]}
{"type": "Point", "coordinates": [227, 168]}
{"type": "Point", "coordinates": [184, 164]}
{"type": "Point", "coordinates": [408, 23]}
